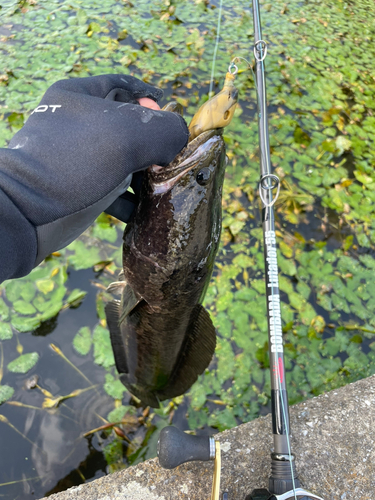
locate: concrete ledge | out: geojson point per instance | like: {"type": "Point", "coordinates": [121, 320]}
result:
{"type": "Point", "coordinates": [333, 440]}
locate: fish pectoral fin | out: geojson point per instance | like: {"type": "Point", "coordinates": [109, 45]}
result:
{"type": "Point", "coordinates": [195, 356]}
{"type": "Point", "coordinates": [112, 312]}
{"type": "Point", "coordinates": [116, 311]}
{"type": "Point", "coordinates": [129, 301]}
{"type": "Point", "coordinates": [117, 287]}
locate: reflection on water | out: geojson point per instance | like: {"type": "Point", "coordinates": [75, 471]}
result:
{"type": "Point", "coordinates": [56, 442]}
{"type": "Point", "coordinates": [50, 444]}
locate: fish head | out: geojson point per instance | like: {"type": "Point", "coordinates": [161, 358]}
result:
{"type": "Point", "coordinates": [200, 166]}
{"type": "Point", "coordinates": [187, 195]}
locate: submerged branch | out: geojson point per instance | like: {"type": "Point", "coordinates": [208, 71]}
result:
{"type": "Point", "coordinates": [53, 402]}
{"type": "Point", "coordinates": [113, 426]}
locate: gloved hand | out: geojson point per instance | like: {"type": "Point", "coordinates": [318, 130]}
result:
{"type": "Point", "coordinates": [75, 155]}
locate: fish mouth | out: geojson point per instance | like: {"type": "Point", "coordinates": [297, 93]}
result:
{"type": "Point", "coordinates": [163, 178]}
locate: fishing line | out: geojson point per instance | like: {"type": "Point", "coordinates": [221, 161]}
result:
{"type": "Point", "coordinates": [216, 46]}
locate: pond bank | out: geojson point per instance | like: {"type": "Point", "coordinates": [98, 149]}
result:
{"type": "Point", "coordinates": [333, 440]}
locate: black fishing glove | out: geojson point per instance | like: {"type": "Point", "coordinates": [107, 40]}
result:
{"type": "Point", "coordinates": [73, 159]}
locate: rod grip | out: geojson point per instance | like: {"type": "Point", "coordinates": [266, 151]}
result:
{"type": "Point", "coordinates": [176, 447]}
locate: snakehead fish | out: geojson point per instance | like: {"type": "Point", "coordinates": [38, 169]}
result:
{"type": "Point", "coordinates": [161, 335]}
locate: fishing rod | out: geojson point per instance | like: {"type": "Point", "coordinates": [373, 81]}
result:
{"type": "Point", "coordinates": [174, 446]}
{"type": "Point", "coordinates": [283, 482]}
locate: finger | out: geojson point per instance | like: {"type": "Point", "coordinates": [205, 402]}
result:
{"type": "Point", "coordinates": [103, 85]}
{"type": "Point", "coordinates": [148, 103]}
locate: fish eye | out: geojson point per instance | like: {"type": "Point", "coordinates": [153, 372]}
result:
{"type": "Point", "coordinates": [203, 176]}
{"type": "Point", "coordinates": [226, 115]}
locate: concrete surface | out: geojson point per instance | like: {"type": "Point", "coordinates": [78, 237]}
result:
{"type": "Point", "coordinates": [333, 440]}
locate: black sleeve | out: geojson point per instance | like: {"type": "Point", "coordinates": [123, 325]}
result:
{"type": "Point", "coordinates": [73, 158]}
{"type": "Point", "coordinates": [18, 243]}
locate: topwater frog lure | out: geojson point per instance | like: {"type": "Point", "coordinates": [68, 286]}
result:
{"type": "Point", "coordinates": [218, 111]}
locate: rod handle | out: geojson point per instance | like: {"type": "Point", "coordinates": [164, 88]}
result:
{"type": "Point", "coordinates": [176, 447]}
